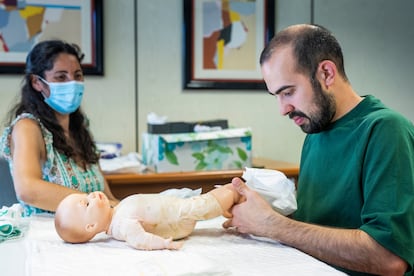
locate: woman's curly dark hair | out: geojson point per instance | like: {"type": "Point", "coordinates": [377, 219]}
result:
{"type": "Point", "coordinates": [40, 59]}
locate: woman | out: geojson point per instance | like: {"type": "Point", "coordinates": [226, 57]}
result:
{"type": "Point", "coordinates": [50, 150]}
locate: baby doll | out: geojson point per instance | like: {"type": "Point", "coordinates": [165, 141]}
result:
{"type": "Point", "coordinates": [144, 221]}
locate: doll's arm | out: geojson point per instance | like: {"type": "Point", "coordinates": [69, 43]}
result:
{"type": "Point", "coordinates": [134, 234]}
{"type": "Point", "coordinates": [226, 197]}
{"type": "Point", "coordinates": [216, 202]}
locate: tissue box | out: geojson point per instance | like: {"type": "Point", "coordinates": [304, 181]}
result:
{"type": "Point", "coordinates": [215, 150]}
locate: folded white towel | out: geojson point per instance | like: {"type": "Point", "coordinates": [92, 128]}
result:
{"type": "Point", "coordinates": [130, 163]}
{"type": "Point", "coordinates": [274, 186]}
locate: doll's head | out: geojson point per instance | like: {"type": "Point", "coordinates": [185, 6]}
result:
{"type": "Point", "coordinates": [79, 217]}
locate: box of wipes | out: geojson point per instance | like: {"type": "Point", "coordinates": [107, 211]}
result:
{"type": "Point", "coordinates": [226, 149]}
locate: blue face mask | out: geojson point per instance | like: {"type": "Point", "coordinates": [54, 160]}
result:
{"type": "Point", "coordinates": [64, 97]}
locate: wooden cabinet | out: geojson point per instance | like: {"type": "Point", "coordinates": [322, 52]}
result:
{"type": "Point", "coordinates": [123, 185]}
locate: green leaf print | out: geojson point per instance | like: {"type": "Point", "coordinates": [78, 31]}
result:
{"type": "Point", "coordinates": [238, 164]}
{"type": "Point", "coordinates": [200, 166]}
{"type": "Point", "coordinates": [198, 156]}
{"type": "Point", "coordinates": [225, 150]}
{"type": "Point", "coordinates": [242, 154]}
{"type": "Point", "coordinates": [171, 157]}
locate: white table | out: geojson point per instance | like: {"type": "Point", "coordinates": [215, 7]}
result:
{"type": "Point", "coordinates": [209, 250]}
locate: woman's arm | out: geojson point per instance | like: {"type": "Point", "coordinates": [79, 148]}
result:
{"type": "Point", "coordinates": [28, 154]}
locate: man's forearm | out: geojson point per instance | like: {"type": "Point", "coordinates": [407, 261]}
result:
{"type": "Point", "coordinates": [352, 249]}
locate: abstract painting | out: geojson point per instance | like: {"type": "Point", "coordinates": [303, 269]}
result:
{"type": "Point", "coordinates": [23, 23]}
{"type": "Point", "coordinates": [224, 39]}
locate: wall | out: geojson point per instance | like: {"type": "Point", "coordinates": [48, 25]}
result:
{"type": "Point", "coordinates": [377, 38]}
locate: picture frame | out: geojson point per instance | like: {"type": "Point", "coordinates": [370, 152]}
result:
{"type": "Point", "coordinates": [222, 46]}
{"type": "Point", "coordinates": [74, 21]}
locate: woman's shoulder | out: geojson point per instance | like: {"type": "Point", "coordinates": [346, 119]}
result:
{"type": "Point", "coordinates": [27, 124]}
{"type": "Point", "coordinates": [19, 124]}
{"type": "Point", "coordinates": [26, 118]}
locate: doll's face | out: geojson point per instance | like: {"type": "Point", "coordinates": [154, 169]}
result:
{"type": "Point", "coordinates": [84, 210]}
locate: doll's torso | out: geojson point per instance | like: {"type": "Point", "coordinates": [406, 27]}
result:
{"type": "Point", "coordinates": [165, 216]}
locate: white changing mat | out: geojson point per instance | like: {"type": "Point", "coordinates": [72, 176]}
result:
{"type": "Point", "coordinates": [210, 250]}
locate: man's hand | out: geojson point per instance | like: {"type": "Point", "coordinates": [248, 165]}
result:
{"type": "Point", "coordinates": [250, 215]}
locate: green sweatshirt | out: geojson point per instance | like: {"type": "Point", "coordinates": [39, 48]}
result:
{"type": "Point", "coordinates": [360, 174]}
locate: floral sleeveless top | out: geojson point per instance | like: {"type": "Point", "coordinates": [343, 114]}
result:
{"type": "Point", "coordinates": [58, 168]}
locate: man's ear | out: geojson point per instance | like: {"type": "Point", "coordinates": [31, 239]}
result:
{"type": "Point", "coordinates": [37, 84]}
{"type": "Point", "coordinates": [90, 227]}
{"type": "Point", "coordinates": [326, 73]}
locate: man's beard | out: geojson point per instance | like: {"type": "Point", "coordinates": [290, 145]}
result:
{"type": "Point", "coordinates": [319, 118]}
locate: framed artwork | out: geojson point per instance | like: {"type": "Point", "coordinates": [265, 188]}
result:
{"type": "Point", "coordinates": [223, 42]}
{"type": "Point", "coordinates": [24, 23]}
